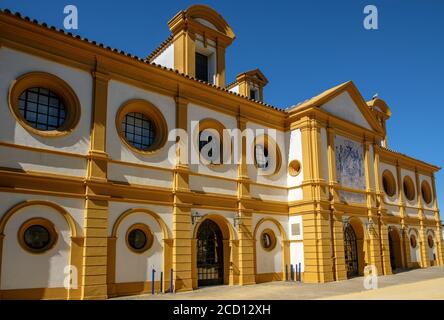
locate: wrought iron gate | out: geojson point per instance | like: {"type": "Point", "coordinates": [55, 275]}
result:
{"type": "Point", "coordinates": [351, 252]}
{"type": "Point", "coordinates": [210, 263]}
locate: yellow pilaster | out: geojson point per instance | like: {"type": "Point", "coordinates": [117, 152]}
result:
{"type": "Point", "coordinates": [438, 222]}
{"type": "Point", "coordinates": [94, 268]}
{"type": "Point", "coordinates": [425, 261]}
{"type": "Point", "coordinates": [220, 77]}
{"type": "Point", "coordinates": [245, 229]}
{"type": "Point", "coordinates": [184, 52]}
{"type": "Point", "coordinates": [385, 250]}
{"type": "Point", "coordinates": [182, 227]}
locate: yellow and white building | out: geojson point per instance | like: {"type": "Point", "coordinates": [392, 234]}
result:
{"type": "Point", "coordinates": [90, 202]}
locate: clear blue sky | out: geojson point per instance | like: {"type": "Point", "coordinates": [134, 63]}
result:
{"type": "Point", "coordinates": [303, 47]}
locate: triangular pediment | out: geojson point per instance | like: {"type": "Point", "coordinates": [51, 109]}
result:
{"type": "Point", "coordinates": [344, 102]}
{"type": "Point", "coordinates": [343, 106]}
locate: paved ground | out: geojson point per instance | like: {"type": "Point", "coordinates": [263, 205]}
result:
{"type": "Point", "coordinates": [414, 284]}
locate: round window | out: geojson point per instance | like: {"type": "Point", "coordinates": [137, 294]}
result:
{"type": "Point", "coordinates": [268, 239]}
{"type": "Point", "coordinates": [44, 104]}
{"type": "Point", "coordinates": [139, 238]}
{"type": "Point", "coordinates": [389, 183]}
{"type": "Point", "coordinates": [413, 241]}
{"type": "Point", "coordinates": [37, 235]}
{"type": "Point", "coordinates": [138, 130]}
{"type": "Point", "coordinates": [294, 168]}
{"type": "Point", "coordinates": [409, 188]}
{"type": "Point", "coordinates": [141, 126]}
{"type": "Point", "coordinates": [430, 241]}
{"type": "Point", "coordinates": [261, 156]}
{"type": "Point", "coordinates": [42, 109]}
{"type": "Point", "coordinates": [426, 192]}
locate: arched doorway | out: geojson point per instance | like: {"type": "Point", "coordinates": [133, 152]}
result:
{"type": "Point", "coordinates": [210, 255]}
{"type": "Point", "coordinates": [395, 249]}
{"type": "Point", "coordinates": [351, 252]}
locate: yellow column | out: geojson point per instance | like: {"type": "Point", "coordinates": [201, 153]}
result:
{"type": "Point", "coordinates": [373, 250]}
{"type": "Point", "coordinates": [94, 269]}
{"type": "Point", "coordinates": [182, 227]}
{"type": "Point", "coordinates": [439, 238]}
{"type": "Point", "coordinates": [425, 261]}
{"type": "Point", "coordinates": [220, 78]}
{"type": "Point", "coordinates": [245, 229]}
{"type": "Point", "coordinates": [185, 53]}
{"type": "Point", "coordinates": [317, 225]}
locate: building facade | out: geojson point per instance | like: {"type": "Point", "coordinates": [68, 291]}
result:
{"type": "Point", "coordinates": [97, 192]}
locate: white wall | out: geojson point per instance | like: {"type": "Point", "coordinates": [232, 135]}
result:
{"type": "Point", "coordinates": [74, 206]}
{"type": "Point", "coordinates": [415, 254]}
{"type": "Point", "coordinates": [120, 93]}
{"type": "Point", "coordinates": [14, 64]}
{"type": "Point", "coordinates": [294, 148]}
{"type": "Point", "coordinates": [132, 267]}
{"type": "Point", "coordinates": [21, 269]}
{"type": "Point", "coordinates": [269, 261]}
{"type": "Point", "coordinates": [344, 107]}
{"type": "Point", "coordinates": [296, 248]}
{"type": "Point", "coordinates": [166, 58]}
{"type": "Point", "coordinates": [395, 198]}
{"type": "Point", "coordinates": [198, 113]}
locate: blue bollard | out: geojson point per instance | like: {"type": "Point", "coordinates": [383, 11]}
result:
{"type": "Point", "coordinates": [300, 272]}
{"type": "Point", "coordinates": [171, 281]}
{"type": "Point", "coordinates": [296, 272]}
{"type": "Point", "coordinates": [291, 273]}
{"type": "Point", "coordinates": [161, 282]}
{"type": "Point", "coordinates": [152, 281]}
{"type": "Point", "coordinates": [286, 272]}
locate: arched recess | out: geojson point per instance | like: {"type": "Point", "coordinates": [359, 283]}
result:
{"type": "Point", "coordinates": [115, 289]}
{"type": "Point", "coordinates": [395, 247]}
{"type": "Point", "coordinates": [359, 237]}
{"type": "Point", "coordinates": [283, 245]}
{"type": "Point", "coordinates": [431, 247]}
{"type": "Point", "coordinates": [230, 249]}
{"type": "Point", "coordinates": [414, 247]}
{"type": "Point", "coordinates": [74, 256]}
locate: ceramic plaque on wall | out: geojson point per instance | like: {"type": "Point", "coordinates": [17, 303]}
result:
{"type": "Point", "coordinates": [350, 168]}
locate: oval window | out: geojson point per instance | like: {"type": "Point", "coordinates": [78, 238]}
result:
{"type": "Point", "coordinates": [268, 239]}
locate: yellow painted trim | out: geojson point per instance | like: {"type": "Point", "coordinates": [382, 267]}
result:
{"type": "Point", "coordinates": [159, 220]}
{"type": "Point", "coordinates": [4, 220]}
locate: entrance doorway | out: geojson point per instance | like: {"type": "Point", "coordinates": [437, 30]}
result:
{"type": "Point", "coordinates": [351, 252]}
{"type": "Point", "coordinates": [395, 249]}
{"type": "Point", "coordinates": [210, 263]}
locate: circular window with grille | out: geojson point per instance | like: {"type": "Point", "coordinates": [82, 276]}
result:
{"type": "Point", "coordinates": [44, 104]}
{"type": "Point", "coordinates": [141, 126]}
